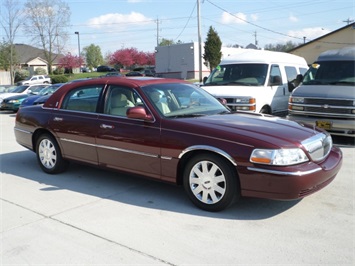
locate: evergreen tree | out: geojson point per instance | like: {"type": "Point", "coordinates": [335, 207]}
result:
{"type": "Point", "coordinates": [212, 47]}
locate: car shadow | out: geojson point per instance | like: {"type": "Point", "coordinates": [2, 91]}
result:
{"type": "Point", "coordinates": [132, 190]}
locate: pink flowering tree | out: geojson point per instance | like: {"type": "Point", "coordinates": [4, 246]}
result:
{"type": "Point", "coordinates": [70, 61]}
{"type": "Point", "coordinates": [130, 57]}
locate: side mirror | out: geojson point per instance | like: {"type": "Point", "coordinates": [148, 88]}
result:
{"type": "Point", "coordinates": [295, 83]}
{"type": "Point", "coordinates": [204, 80]}
{"type": "Point", "coordinates": [139, 112]}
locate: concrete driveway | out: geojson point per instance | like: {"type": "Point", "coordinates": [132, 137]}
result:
{"type": "Point", "coordinates": [88, 216]}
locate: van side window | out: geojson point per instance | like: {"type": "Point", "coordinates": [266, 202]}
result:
{"type": "Point", "coordinates": [275, 76]}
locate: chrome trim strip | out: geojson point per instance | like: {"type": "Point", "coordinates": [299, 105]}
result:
{"type": "Point", "coordinates": [208, 148]}
{"type": "Point", "coordinates": [112, 148]}
{"type": "Point", "coordinates": [275, 172]}
{"type": "Point", "coordinates": [23, 131]}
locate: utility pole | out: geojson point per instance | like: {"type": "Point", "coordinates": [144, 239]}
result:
{"type": "Point", "coordinates": [256, 39]}
{"type": "Point", "coordinates": [199, 41]}
{"type": "Point", "coordinates": [348, 21]}
{"type": "Point", "coordinates": [157, 21]}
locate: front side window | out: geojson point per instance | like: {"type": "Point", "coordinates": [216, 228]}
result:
{"type": "Point", "coordinates": [275, 76]}
{"type": "Point", "coordinates": [84, 99]}
{"type": "Point", "coordinates": [119, 100]}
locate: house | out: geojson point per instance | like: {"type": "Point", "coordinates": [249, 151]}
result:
{"type": "Point", "coordinates": [339, 38]}
{"type": "Point", "coordinates": [31, 58]}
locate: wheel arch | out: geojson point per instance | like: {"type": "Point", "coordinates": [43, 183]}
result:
{"type": "Point", "coordinates": [188, 153]}
{"type": "Point", "coordinates": [36, 135]}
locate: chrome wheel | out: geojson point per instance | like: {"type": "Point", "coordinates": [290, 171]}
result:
{"type": "Point", "coordinates": [47, 153]}
{"type": "Point", "coordinates": [211, 182]}
{"type": "Point", "coordinates": [207, 182]}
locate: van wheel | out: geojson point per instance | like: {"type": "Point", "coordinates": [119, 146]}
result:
{"type": "Point", "coordinates": [265, 110]}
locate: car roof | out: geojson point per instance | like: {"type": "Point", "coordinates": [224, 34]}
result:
{"type": "Point", "coordinates": [131, 82]}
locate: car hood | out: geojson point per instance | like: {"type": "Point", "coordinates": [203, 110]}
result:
{"type": "Point", "coordinates": [8, 94]}
{"type": "Point", "coordinates": [324, 91]}
{"type": "Point", "coordinates": [232, 90]}
{"type": "Point", "coordinates": [253, 129]}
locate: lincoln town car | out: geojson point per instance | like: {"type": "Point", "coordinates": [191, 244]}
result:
{"type": "Point", "coordinates": [173, 131]}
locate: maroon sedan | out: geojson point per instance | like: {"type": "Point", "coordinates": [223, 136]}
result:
{"type": "Point", "coordinates": [173, 131]}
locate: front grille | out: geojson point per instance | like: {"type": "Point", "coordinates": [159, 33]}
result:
{"type": "Point", "coordinates": [331, 110]}
{"type": "Point", "coordinates": [334, 102]}
{"type": "Point", "coordinates": [318, 146]}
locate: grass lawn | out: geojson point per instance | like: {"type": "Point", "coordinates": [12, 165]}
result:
{"type": "Point", "coordinates": [93, 75]}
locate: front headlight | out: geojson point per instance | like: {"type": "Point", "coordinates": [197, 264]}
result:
{"type": "Point", "coordinates": [14, 101]}
{"type": "Point", "coordinates": [280, 157]}
{"type": "Point", "coordinates": [296, 99]}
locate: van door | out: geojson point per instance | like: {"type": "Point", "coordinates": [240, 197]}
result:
{"type": "Point", "coordinates": [278, 87]}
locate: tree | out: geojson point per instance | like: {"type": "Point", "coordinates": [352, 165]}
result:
{"type": "Point", "coordinates": [212, 47]}
{"type": "Point", "coordinates": [45, 23]}
{"type": "Point", "coordinates": [281, 47]}
{"type": "Point", "coordinates": [166, 42]}
{"type": "Point", "coordinates": [129, 57]}
{"type": "Point", "coordinates": [93, 56]}
{"type": "Point", "coordinates": [69, 62]}
{"type": "Point", "coordinates": [10, 21]}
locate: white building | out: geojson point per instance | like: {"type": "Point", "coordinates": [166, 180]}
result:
{"type": "Point", "coordinates": [181, 60]}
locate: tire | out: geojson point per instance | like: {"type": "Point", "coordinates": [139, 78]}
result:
{"type": "Point", "coordinates": [265, 110]}
{"type": "Point", "coordinates": [49, 155]}
{"type": "Point", "coordinates": [210, 182]}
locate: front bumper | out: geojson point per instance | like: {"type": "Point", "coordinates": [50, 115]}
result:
{"type": "Point", "coordinates": [292, 182]}
{"type": "Point", "coordinates": [341, 127]}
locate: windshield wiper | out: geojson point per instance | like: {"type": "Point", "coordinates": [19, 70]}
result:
{"type": "Point", "coordinates": [342, 82]}
{"type": "Point", "coordinates": [187, 115]}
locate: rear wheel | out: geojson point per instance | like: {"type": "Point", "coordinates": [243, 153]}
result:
{"type": "Point", "coordinates": [210, 182]}
{"type": "Point", "coordinates": [49, 155]}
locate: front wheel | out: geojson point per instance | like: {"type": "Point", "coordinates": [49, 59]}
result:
{"type": "Point", "coordinates": [210, 182]}
{"type": "Point", "coordinates": [49, 155]}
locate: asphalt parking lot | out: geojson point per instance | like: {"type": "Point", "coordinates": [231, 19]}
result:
{"type": "Point", "coordinates": [88, 216]}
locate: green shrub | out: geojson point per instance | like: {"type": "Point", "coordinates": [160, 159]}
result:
{"type": "Point", "coordinates": [59, 79]}
{"type": "Point", "coordinates": [58, 71]}
{"type": "Point", "coordinates": [40, 71]}
{"type": "Point", "coordinates": [21, 74]}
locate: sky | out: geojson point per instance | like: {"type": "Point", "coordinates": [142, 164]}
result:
{"type": "Point", "coordinates": [140, 24]}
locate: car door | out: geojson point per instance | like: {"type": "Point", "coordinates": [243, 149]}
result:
{"type": "Point", "coordinates": [76, 122]}
{"type": "Point", "coordinates": [279, 88]}
{"type": "Point", "coordinates": [127, 144]}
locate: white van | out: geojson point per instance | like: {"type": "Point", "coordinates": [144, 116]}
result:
{"type": "Point", "coordinates": [326, 96]}
{"type": "Point", "coordinates": [256, 80]}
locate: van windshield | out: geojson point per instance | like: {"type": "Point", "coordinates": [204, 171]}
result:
{"type": "Point", "coordinates": [238, 74]}
{"type": "Point", "coordinates": [331, 73]}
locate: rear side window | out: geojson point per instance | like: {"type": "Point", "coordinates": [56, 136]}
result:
{"type": "Point", "coordinates": [84, 99]}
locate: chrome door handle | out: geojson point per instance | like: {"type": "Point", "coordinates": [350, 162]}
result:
{"type": "Point", "coordinates": [58, 119]}
{"type": "Point", "coordinates": [104, 126]}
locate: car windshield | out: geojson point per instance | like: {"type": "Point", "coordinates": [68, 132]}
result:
{"type": "Point", "coordinates": [331, 73]}
{"type": "Point", "coordinates": [238, 74]}
{"type": "Point", "coordinates": [183, 100]}
{"type": "Point", "coordinates": [48, 90]}
{"type": "Point", "coordinates": [20, 89]}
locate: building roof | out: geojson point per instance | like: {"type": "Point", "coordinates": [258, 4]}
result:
{"type": "Point", "coordinates": [320, 39]}
{"type": "Point", "coordinates": [27, 53]}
